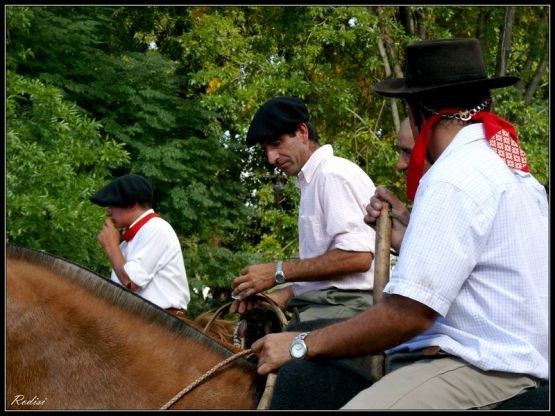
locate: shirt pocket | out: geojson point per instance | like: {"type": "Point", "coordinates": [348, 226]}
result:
{"type": "Point", "coordinates": [313, 240]}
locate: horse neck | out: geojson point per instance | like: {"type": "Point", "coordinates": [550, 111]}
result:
{"type": "Point", "coordinates": [82, 351]}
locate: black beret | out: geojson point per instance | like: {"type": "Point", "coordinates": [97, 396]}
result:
{"type": "Point", "coordinates": [124, 191]}
{"type": "Point", "coordinates": [277, 116]}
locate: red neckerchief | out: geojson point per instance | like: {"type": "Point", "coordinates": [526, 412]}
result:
{"type": "Point", "coordinates": [500, 134]}
{"type": "Point", "coordinates": [134, 229]}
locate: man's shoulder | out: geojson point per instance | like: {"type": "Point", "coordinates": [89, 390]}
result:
{"type": "Point", "coordinates": [477, 162]}
{"type": "Point", "coordinates": [342, 167]}
{"type": "Point", "coordinates": [339, 161]}
{"type": "Point", "coordinates": [159, 224]}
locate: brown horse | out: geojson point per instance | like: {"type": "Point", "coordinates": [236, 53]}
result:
{"type": "Point", "coordinates": [76, 340]}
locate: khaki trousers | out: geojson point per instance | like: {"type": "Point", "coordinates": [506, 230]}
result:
{"type": "Point", "coordinates": [328, 304]}
{"type": "Point", "coordinates": [440, 382]}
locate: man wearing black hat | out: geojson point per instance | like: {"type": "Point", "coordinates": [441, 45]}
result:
{"type": "Point", "coordinates": [464, 319]}
{"type": "Point", "coordinates": [149, 260]}
{"type": "Point", "coordinates": [334, 277]}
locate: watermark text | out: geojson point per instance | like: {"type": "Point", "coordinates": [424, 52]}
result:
{"type": "Point", "coordinates": [21, 400]}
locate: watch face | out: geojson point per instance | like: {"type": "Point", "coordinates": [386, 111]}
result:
{"type": "Point", "coordinates": [280, 278]}
{"type": "Point", "coordinates": [298, 349]}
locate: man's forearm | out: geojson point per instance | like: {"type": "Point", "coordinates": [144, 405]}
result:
{"type": "Point", "coordinates": [391, 322]}
{"type": "Point", "coordinates": [333, 264]}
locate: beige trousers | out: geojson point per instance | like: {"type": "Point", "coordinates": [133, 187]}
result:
{"type": "Point", "coordinates": [329, 304]}
{"type": "Point", "coordinates": [442, 382]}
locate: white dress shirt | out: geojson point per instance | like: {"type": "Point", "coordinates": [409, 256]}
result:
{"type": "Point", "coordinates": [154, 262]}
{"type": "Point", "coordinates": [476, 251]}
{"type": "Point", "coordinates": [334, 195]}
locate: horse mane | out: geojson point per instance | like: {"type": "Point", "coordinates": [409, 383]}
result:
{"type": "Point", "coordinates": [114, 294]}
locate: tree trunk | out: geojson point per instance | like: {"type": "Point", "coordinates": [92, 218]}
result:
{"type": "Point", "coordinates": [387, 69]}
{"type": "Point", "coordinates": [482, 26]}
{"type": "Point", "coordinates": [533, 86]}
{"type": "Point", "coordinates": [505, 41]}
{"type": "Point", "coordinates": [532, 58]}
{"type": "Point", "coordinates": [407, 19]}
{"type": "Point", "coordinates": [385, 45]}
{"type": "Point", "coordinates": [526, 69]}
{"type": "Point", "coordinates": [419, 18]}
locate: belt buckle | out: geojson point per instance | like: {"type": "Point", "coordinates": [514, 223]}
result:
{"type": "Point", "coordinates": [429, 351]}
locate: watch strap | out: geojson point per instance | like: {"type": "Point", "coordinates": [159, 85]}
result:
{"type": "Point", "coordinates": [299, 339]}
{"type": "Point", "coordinates": [302, 336]}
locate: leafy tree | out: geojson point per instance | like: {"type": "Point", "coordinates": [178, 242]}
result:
{"type": "Point", "coordinates": [56, 159]}
{"type": "Point", "coordinates": [135, 97]}
{"type": "Point", "coordinates": [177, 87]}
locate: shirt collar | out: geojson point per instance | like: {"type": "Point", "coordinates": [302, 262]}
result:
{"type": "Point", "coordinates": [309, 169]}
{"type": "Point", "coordinates": [466, 135]}
{"type": "Point", "coordinates": [148, 211]}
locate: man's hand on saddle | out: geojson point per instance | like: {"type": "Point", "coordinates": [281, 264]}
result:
{"type": "Point", "coordinates": [273, 351]}
{"type": "Point", "coordinates": [399, 214]}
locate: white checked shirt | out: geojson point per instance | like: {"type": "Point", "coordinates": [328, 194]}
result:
{"type": "Point", "coordinates": [334, 195]}
{"type": "Point", "coordinates": [154, 261]}
{"type": "Point", "coordinates": [476, 251]}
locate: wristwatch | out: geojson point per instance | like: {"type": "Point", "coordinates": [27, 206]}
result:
{"type": "Point", "coordinates": [280, 276]}
{"type": "Point", "coordinates": [298, 347]}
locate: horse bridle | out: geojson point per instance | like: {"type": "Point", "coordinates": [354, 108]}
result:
{"type": "Point", "coordinates": [270, 380]}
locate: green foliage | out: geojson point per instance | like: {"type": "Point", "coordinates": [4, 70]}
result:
{"type": "Point", "coordinates": [19, 19]}
{"type": "Point", "coordinates": [532, 125]}
{"type": "Point", "coordinates": [278, 211]}
{"type": "Point", "coordinates": [214, 268]}
{"type": "Point", "coordinates": [375, 153]}
{"type": "Point", "coordinates": [177, 87]}
{"type": "Point", "coordinates": [56, 159]}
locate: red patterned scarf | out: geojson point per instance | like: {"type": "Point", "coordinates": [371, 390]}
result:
{"type": "Point", "coordinates": [499, 132]}
{"type": "Point", "coordinates": [134, 229]}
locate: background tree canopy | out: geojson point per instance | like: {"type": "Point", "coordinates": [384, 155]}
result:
{"type": "Point", "coordinates": [168, 92]}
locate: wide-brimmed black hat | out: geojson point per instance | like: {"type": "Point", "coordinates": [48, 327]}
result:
{"type": "Point", "coordinates": [442, 64]}
{"type": "Point", "coordinates": [124, 192]}
{"type": "Point", "coordinates": [277, 116]}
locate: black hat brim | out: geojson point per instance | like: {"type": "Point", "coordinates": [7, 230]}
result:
{"type": "Point", "coordinates": [397, 87]}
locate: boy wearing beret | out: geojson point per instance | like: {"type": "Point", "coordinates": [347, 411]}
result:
{"type": "Point", "coordinates": [147, 257]}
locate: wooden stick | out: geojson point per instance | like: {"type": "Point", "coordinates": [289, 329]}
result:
{"type": "Point", "coordinates": [266, 398]}
{"type": "Point", "coordinates": [382, 252]}
{"type": "Point", "coordinates": [381, 276]}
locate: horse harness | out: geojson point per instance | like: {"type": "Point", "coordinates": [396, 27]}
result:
{"type": "Point", "coordinates": [241, 339]}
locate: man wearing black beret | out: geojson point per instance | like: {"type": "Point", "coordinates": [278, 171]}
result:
{"type": "Point", "coordinates": [334, 277]}
{"type": "Point", "coordinates": [148, 260]}
{"type": "Point", "coordinates": [464, 320]}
